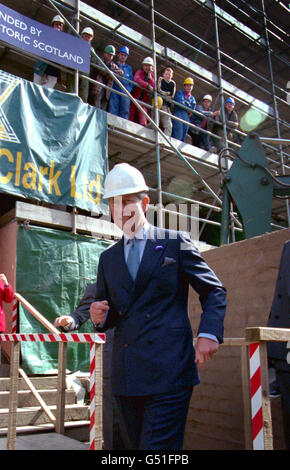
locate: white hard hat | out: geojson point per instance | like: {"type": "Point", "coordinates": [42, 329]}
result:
{"type": "Point", "coordinates": [207, 97]}
{"type": "Point", "coordinates": [124, 179]}
{"type": "Point", "coordinates": [57, 19]}
{"type": "Point", "coordinates": [88, 30]}
{"type": "Point", "coordinates": [148, 60]}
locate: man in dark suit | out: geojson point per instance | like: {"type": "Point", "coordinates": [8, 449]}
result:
{"type": "Point", "coordinates": [142, 292]}
{"type": "Point", "coordinates": [278, 352]}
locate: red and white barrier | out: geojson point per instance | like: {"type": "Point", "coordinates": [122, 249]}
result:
{"type": "Point", "coordinates": [92, 395]}
{"type": "Point", "coordinates": [14, 316]}
{"type": "Point", "coordinates": [256, 396]}
{"type": "Point", "coordinates": [92, 338]}
{"type": "Point", "coordinates": [52, 337]}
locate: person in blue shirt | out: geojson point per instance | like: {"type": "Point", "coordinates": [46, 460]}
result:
{"type": "Point", "coordinates": [185, 98]}
{"type": "Point", "coordinates": [201, 139]}
{"type": "Point", "coordinates": [120, 105]}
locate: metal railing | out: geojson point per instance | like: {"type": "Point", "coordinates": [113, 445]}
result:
{"type": "Point", "coordinates": [226, 141]}
{"type": "Point", "coordinates": [58, 420]}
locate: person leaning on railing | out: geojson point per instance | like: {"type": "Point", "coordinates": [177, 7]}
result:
{"type": "Point", "coordinates": [87, 35]}
{"type": "Point", "coordinates": [232, 121]}
{"type": "Point", "coordinates": [201, 139]}
{"type": "Point", "coordinates": [45, 74]}
{"type": "Point", "coordinates": [6, 295]}
{"type": "Point", "coordinates": [144, 77]}
{"type": "Point", "coordinates": [98, 95]}
{"type": "Point", "coordinates": [166, 88]}
{"type": "Point", "coordinates": [185, 98]}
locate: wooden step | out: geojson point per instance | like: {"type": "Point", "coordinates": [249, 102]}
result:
{"type": "Point", "coordinates": [40, 383]}
{"type": "Point", "coordinates": [26, 398]}
{"type": "Point", "coordinates": [78, 429]}
{"type": "Point", "coordinates": [35, 415]}
{"type": "Point", "coordinates": [47, 441]}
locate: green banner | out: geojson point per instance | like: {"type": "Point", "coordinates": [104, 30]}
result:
{"type": "Point", "coordinates": [53, 270]}
{"type": "Point", "coordinates": [53, 147]}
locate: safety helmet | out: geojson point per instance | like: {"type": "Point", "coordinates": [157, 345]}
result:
{"type": "Point", "coordinates": [88, 30]}
{"type": "Point", "coordinates": [159, 102]}
{"type": "Point", "coordinates": [207, 97]}
{"type": "Point", "coordinates": [110, 50]}
{"type": "Point", "coordinates": [57, 19]}
{"type": "Point", "coordinates": [124, 49]}
{"type": "Point", "coordinates": [148, 60]}
{"type": "Point", "coordinates": [123, 179]}
{"type": "Point", "coordinates": [188, 81]}
{"type": "Point", "coordinates": [230, 100]}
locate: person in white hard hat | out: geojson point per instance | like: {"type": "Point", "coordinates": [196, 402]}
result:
{"type": "Point", "coordinates": [145, 78]}
{"type": "Point", "coordinates": [87, 35]}
{"type": "Point", "coordinates": [200, 139]}
{"type": "Point", "coordinates": [142, 291]}
{"type": "Point", "coordinates": [45, 74]}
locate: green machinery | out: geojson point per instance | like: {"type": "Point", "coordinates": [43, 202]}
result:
{"type": "Point", "coordinates": [250, 186]}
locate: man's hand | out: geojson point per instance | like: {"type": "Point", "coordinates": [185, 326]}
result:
{"type": "Point", "coordinates": [4, 279]}
{"type": "Point", "coordinates": [98, 311]}
{"type": "Point", "coordinates": [205, 349]}
{"type": "Point", "coordinates": [62, 321]}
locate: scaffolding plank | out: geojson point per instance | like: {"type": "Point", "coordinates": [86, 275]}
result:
{"type": "Point", "coordinates": [64, 220]}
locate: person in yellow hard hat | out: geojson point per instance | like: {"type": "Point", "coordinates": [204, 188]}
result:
{"type": "Point", "coordinates": [45, 74]}
{"type": "Point", "coordinates": [142, 291]}
{"type": "Point", "coordinates": [98, 95]}
{"type": "Point", "coordinates": [185, 98]}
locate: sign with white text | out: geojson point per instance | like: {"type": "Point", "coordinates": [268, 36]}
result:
{"type": "Point", "coordinates": [44, 41]}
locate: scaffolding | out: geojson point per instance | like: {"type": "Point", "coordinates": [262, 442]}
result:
{"type": "Point", "coordinates": [231, 49]}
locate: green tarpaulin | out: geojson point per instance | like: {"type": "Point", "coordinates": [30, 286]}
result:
{"type": "Point", "coordinates": [53, 269]}
{"type": "Point", "coordinates": [53, 147]}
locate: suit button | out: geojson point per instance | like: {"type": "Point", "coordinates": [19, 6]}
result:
{"type": "Point", "coordinates": [147, 315]}
{"type": "Point", "coordinates": [149, 341]}
{"type": "Point", "coordinates": [126, 345]}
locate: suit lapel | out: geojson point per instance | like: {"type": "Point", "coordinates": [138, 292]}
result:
{"type": "Point", "coordinates": [121, 274]}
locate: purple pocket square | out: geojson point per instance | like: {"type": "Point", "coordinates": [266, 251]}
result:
{"type": "Point", "coordinates": [168, 261]}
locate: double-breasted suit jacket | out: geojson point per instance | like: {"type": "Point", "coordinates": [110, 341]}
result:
{"type": "Point", "coordinates": [153, 348]}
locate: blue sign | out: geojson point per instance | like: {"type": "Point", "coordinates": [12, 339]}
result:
{"type": "Point", "coordinates": [44, 41]}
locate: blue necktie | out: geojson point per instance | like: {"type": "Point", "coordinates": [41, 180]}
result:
{"type": "Point", "coordinates": [133, 259]}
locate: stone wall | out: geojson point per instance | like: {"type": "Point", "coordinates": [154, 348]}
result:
{"type": "Point", "coordinates": [248, 269]}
